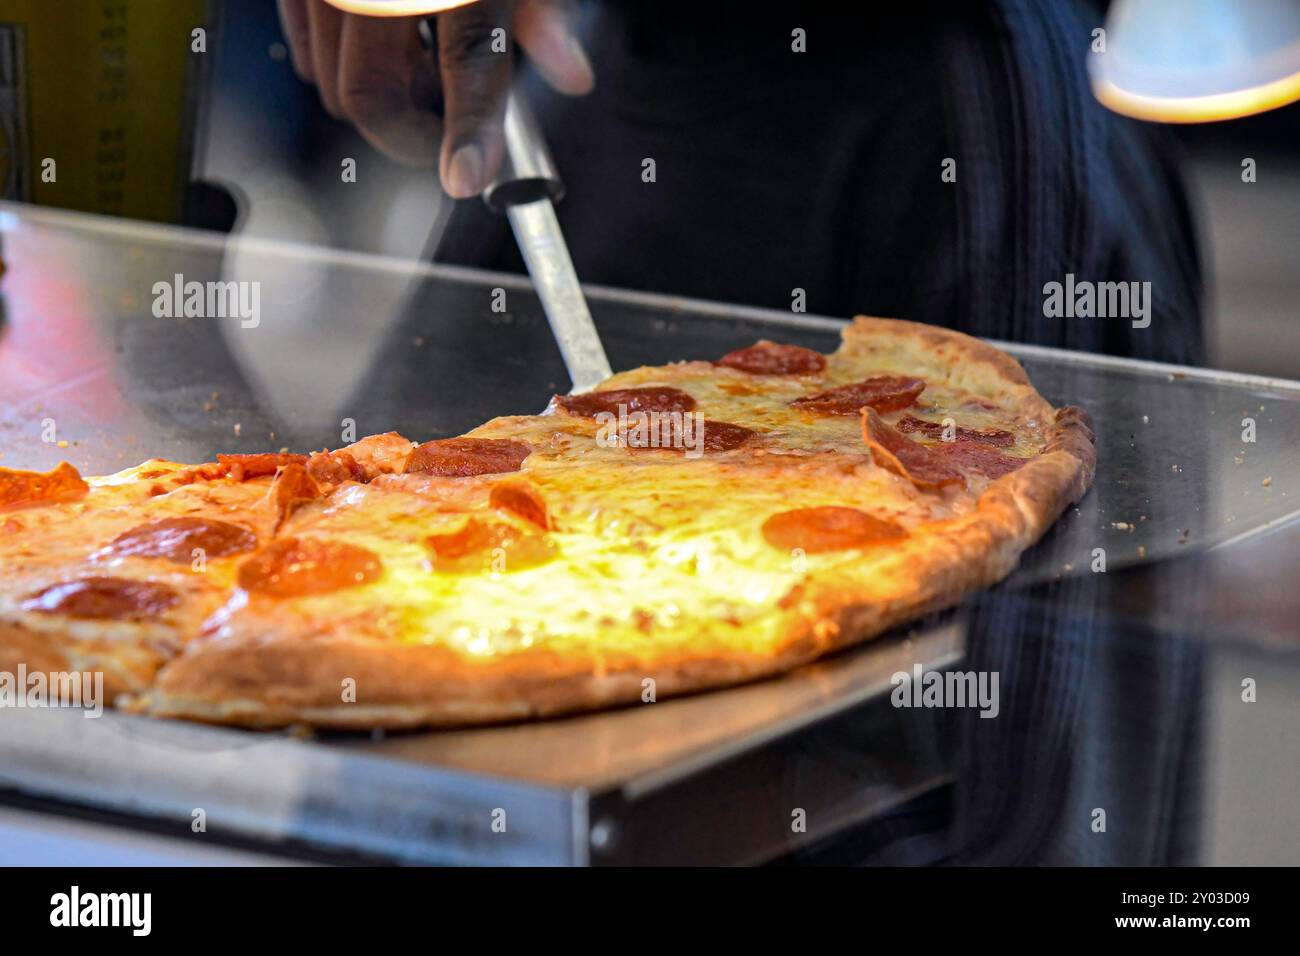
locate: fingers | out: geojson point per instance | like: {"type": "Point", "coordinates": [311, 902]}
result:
{"type": "Point", "coordinates": [370, 71]}
{"type": "Point", "coordinates": [373, 72]}
{"type": "Point", "coordinates": [382, 67]}
{"type": "Point", "coordinates": [325, 26]}
{"type": "Point", "coordinates": [293, 19]}
{"type": "Point", "coordinates": [475, 61]}
{"type": "Point", "coordinates": [545, 29]}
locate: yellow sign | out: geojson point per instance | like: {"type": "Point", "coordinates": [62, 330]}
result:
{"type": "Point", "coordinates": [98, 102]}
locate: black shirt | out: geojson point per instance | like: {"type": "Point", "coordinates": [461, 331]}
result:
{"type": "Point", "coordinates": [777, 171]}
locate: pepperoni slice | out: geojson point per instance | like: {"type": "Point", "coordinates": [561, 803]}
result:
{"type": "Point", "coordinates": [894, 451]}
{"type": "Point", "coordinates": [522, 499]}
{"type": "Point", "coordinates": [680, 437]}
{"type": "Point", "coordinates": [977, 456]}
{"type": "Point", "coordinates": [292, 488]}
{"type": "Point", "coordinates": [831, 528]}
{"type": "Point", "coordinates": [987, 436]}
{"type": "Point", "coordinates": [772, 358]}
{"type": "Point", "coordinates": [660, 398]}
{"type": "Point", "coordinates": [465, 457]}
{"type": "Point", "coordinates": [724, 436]}
{"type": "Point", "coordinates": [293, 567]}
{"type": "Point", "coordinates": [486, 545]}
{"type": "Point", "coordinates": [884, 393]}
{"type": "Point", "coordinates": [21, 488]}
{"type": "Point", "coordinates": [104, 598]}
{"type": "Point", "coordinates": [243, 467]}
{"type": "Point", "coordinates": [176, 538]}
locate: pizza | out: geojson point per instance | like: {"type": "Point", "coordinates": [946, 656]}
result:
{"type": "Point", "coordinates": [679, 528]}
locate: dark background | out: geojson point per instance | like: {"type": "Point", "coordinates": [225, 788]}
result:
{"type": "Point", "coordinates": [267, 139]}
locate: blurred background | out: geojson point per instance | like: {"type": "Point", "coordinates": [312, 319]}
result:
{"type": "Point", "coordinates": [1250, 237]}
{"type": "Point", "coordinates": [270, 139]}
{"type": "Point", "coordinates": [287, 172]}
{"type": "Point", "coordinates": [260, 136]}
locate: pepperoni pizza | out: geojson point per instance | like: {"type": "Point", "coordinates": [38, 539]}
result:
{"type": "Point", "coordinates": [682, 527]}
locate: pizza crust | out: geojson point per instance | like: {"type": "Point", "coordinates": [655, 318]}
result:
{"type": "Point", "coordinates": [128, 667]}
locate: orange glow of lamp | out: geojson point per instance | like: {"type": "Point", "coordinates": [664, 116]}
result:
{"type": "Point", "coordinates": [397, 8]}
{"type": "Point", "coordinates": [1196, 61]}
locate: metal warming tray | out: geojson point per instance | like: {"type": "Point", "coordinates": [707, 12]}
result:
{"type": "Point", "coordinates": [350, 341]}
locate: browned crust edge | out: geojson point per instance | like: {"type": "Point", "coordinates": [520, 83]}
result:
{"type": "Point", "coordinates": [128, 667]}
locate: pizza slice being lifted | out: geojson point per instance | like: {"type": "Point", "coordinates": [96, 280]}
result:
{"type": "Point", "coordinates": [694, 525]}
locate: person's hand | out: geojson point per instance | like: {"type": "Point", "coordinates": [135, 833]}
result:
{"type": "Point", "coordinates": [375, 73]}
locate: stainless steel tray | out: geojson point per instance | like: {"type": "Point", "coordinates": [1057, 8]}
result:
{"type": "Point", "coordinates": [418, 348]}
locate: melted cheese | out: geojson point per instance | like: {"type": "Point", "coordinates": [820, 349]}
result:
{"type": "Point", "coordinates": [658, 553]}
